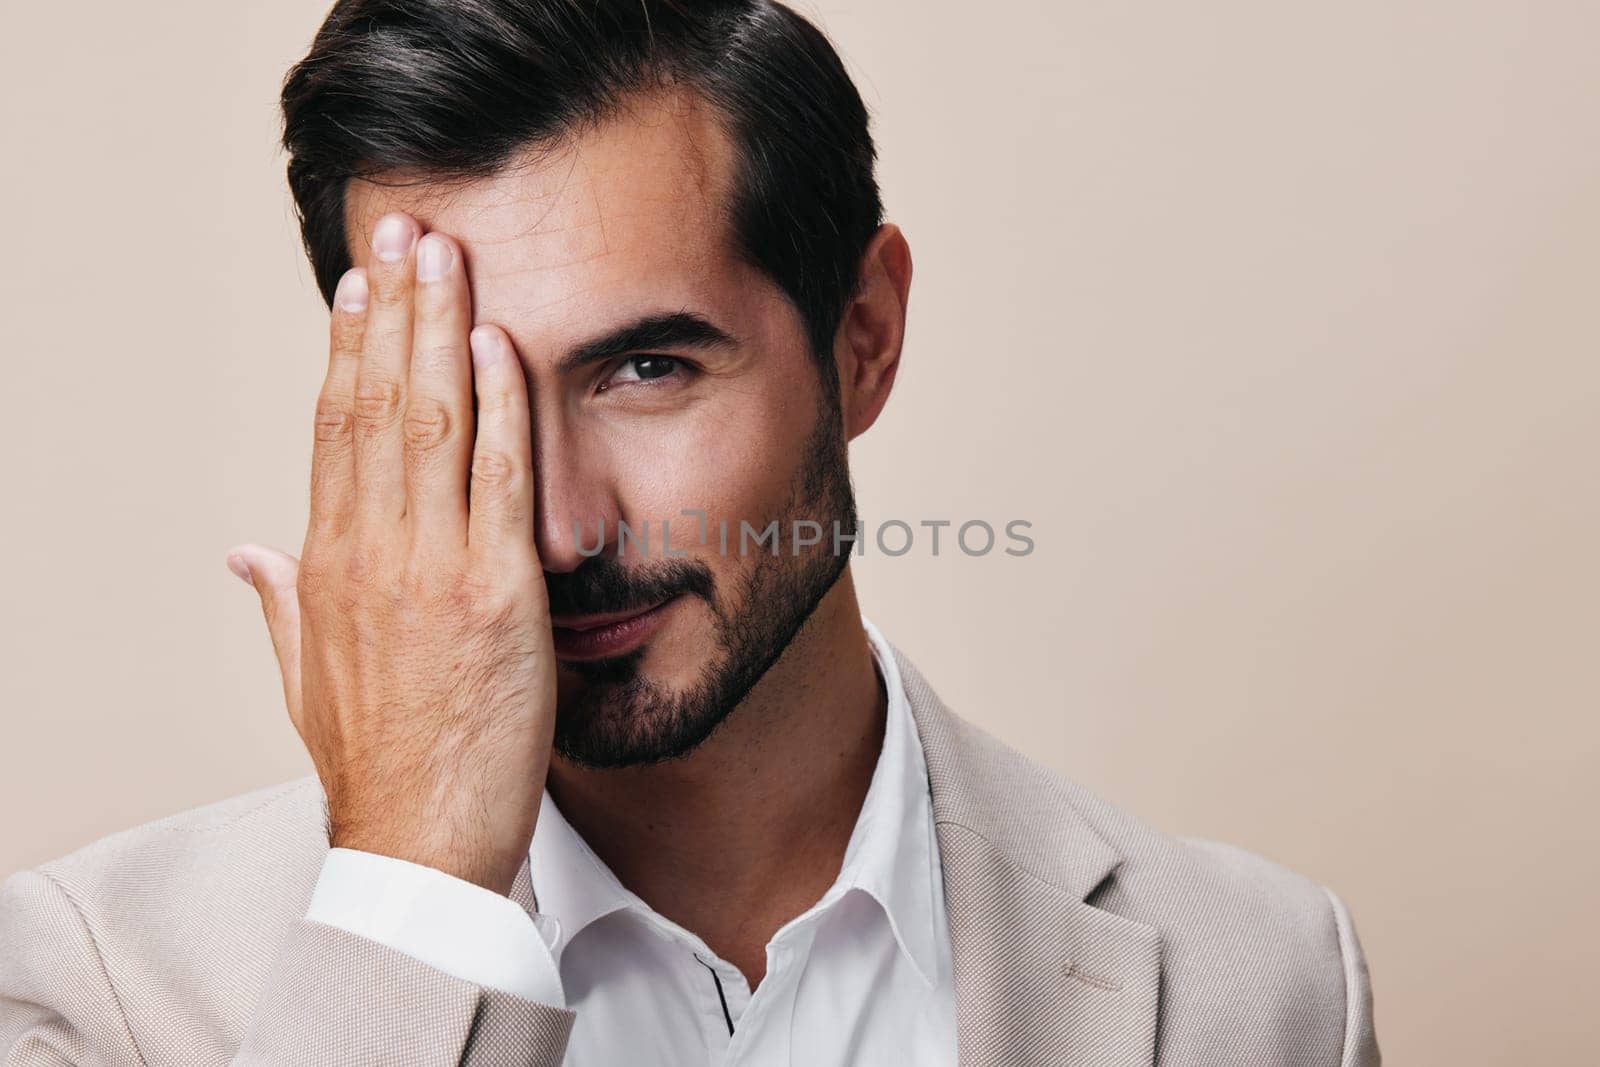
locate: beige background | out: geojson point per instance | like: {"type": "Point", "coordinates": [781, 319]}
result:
{"type": "Point", "coordinates": [1279, 321]}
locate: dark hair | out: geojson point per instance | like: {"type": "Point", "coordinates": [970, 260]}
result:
{"type": "Point", "coordinates": [452, 89]}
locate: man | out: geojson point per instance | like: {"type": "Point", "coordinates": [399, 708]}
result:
{"type": "Point", "coordinates": [609, 767]}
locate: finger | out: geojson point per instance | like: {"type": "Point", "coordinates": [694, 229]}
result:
{"type": "Point", "coordinates": [381, 377]}
{"type": "Point", "coordinates": [439, 421]}
{"type": "Point", "coordinates": [501, 504]}
{"type": "Point", "coordinates": [332, 455]}
{"type": "Point", "coordinates": [273, 574]}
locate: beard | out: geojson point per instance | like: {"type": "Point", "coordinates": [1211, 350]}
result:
{"type": "Point", "coordinates": [621, 717]}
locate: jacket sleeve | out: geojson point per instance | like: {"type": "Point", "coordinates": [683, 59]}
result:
{"type": "Point", "coordinates": [333, 998]}
{"type": "Point", "coordinates": [462, 929]}
{"type": "Point", "coordinates": [57, 1007]}
{"type": "Point", "coordinates": [338, 998]}
{"type": "Point", "coordinates": [1360, 1039]}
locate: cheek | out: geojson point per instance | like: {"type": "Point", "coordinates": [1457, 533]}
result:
{"type": "Point", "coordinates": [734, 450]}
{"type": "Point", "coordinates": [732, 463]}
{"type": "Point", "coordinates": [733, 455]}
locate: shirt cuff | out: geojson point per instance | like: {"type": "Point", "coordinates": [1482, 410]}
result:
{"type": "Point", "coordinates": [464, 930]}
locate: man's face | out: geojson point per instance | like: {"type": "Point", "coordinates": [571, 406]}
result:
{"type": "Point", "coordinates": [716, 405]}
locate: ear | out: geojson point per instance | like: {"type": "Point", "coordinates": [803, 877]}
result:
{"type": "Point", "coordinates": [872, 329]}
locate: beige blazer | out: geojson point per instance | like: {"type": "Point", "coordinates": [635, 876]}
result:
{"type": "Point", "coordinates": [1079, 936]}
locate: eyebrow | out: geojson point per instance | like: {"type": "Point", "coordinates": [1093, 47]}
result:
{"type": "Point", "coordinates": [678, 329]}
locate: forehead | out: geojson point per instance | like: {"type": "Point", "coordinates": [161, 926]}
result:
{"type": "Point", "coordinates": [626, 216]}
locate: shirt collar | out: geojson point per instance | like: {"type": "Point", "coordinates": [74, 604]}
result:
{"type": "Point", "coordinates": [890, 855]}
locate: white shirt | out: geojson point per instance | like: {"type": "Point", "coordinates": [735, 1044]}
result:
{"type": "Point", "coordinates": [863, 976]}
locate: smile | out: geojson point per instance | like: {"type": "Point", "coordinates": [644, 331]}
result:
{"type": "Point", "coordinates": [587, 637]}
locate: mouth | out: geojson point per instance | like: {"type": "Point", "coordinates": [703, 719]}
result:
{"type": "Point", "coordinates": [587, 637]}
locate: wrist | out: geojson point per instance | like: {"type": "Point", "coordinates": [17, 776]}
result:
{"type": "Point", "coordinates": [491, 869]}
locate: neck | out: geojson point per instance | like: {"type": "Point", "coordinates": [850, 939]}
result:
{"type": "Point", "coordinates": [749, 829]}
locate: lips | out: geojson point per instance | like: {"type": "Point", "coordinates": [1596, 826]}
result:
{"type": "Point", "coordinates": [587, 637]}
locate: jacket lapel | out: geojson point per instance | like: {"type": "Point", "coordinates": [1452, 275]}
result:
{"type": "Point", "coordinates": [522, 887]}
{"type": "Point", "coordinates": [1041, 976]}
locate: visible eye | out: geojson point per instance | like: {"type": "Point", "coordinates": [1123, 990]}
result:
{"type": "Point", "coordinates": [643, 369]}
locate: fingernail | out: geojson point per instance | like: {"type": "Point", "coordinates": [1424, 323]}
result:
{"type": "Point", "coordinates": [433, 258]}
{"type": "Point", "coordinates": [483, 346]}
{"type": "Point", "coordinates": [352, 292]}
{"type": "Point", "coordinates": [392, 239]}
{"type": "Point", "coordinates": [238, 566]}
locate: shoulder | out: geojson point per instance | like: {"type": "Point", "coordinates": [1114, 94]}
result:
{"type": "Point", "coordinates": [186, 900]}
{"type": "Point", "coordinates": [230, 839]}
{"type": "Point", "coordinates": [1252, 952]}
{"type": "Point", "coordinates": [1196, 887]}
{"type": "Point", "coordinates": [1253, 955]}
{"type": "Point", "coordinates": [1188, 888]}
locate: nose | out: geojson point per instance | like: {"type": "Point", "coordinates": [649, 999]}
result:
{"type": "Point", "coordinates": [576, 507]}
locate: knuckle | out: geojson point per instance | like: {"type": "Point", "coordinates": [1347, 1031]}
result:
{"type": "Point", "coordinates": [480, 589]}
{"type": "Point", "coordinates": [417, 580]}
{"type": "Point", "coordinates": [463, 601]}
{"type": "Point", "coordinates": [436, 355]}
{"type": "Point", "coordinates": [345, 333]}
{"type": "Point", "coordinates": [389, 283]}
{"type": "Point", "coordinates": [386, 336]}
{"type": "Point", "coordinates": [439, 351]}
{"type": "Point", "coordinates": [427, 424]}
{"type": "Point", "coordinates": [495, 401]}
{"type": "Point", "coordinates": [487, 618]}
{"type": "Point", "coordinates": [377, 400]}
{"type": "Point", "coordinates": [362, 570]}
{"type": "Point", "coordinates": [313, 581]}
{"type": "Point", "coordinates": [495, 473]}
{"type": "Point", "coordinates": [333, 420]}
